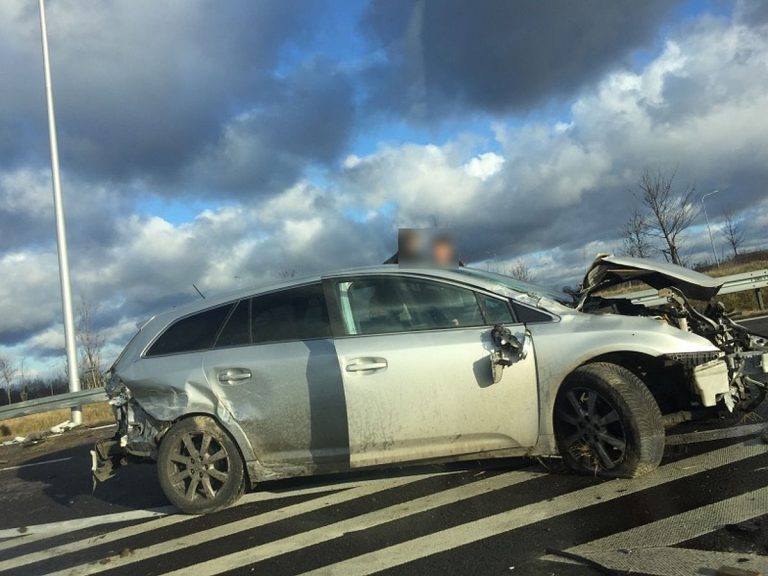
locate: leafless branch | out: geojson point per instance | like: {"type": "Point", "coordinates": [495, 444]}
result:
{"type": "Point", "coordinates": [669, 213]}
{"type": "Point", "coordinates": [636, 242]}
{"type": "Point", "coordinates": [8, 373]}
{"type": "Point", "coordinates": [91, 344]}
{"type": "Point", "coordinates": [733, 232]}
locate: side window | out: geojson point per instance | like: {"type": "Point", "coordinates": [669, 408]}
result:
{"type": "Point", "coordinates": [497, 311]}
{"type": "Point", "coordinates": [196, 332]}
{"type": "Point", "coordinates": [527, 315]}
{"type": "Point", "coordinates": [401, 304]}
{"type": "Point", "coordinates": [237, 330]}
{"type": "Point", "coordinates": [293, 314]}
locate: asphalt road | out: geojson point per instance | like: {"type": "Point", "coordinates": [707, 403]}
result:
{"type": "Point", "coordinates": [492, 517]}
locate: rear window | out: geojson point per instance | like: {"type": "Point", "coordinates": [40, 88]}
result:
{"type": "Point", "coordinates": [293, 314]}
{"type": "Point", "coordinates": [195, 332]}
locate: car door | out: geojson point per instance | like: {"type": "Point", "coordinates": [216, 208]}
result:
{"type": "Point", "coordinates": [415, 362]}
{"type": "Point", "coordinates": [275, 369]}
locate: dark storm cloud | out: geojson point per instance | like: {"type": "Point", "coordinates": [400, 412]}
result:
{"type": "Point", "coordinates": [144, 88]}
{"type": "Point", "coordinates": [26, 211]}
{"type": "Point", "coordinates": [500, 56]}
{"type": "Point", "coordinates": [752, 11]}
{"type": "Point", "coordinates": [307, 121]}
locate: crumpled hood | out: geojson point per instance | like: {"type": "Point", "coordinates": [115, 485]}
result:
{"type": "Point", "coordinates": [609, 270]}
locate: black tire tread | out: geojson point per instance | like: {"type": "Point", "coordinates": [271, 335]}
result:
{"type": "Point", "coordinates": [638, 401]}
{"type": "Point", "coordinates": [200, 423]}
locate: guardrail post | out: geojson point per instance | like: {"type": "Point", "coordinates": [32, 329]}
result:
{"type": "Point", "coordinates": [759, 298]}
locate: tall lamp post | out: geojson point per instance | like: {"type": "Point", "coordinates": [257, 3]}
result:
{"type": "Point", "coordinates": [711, 240]}
{"type": "Point", "coordinates": [61, 231]}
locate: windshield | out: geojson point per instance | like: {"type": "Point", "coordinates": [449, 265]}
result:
{"type": "Point", "coordinates": [519, 286]}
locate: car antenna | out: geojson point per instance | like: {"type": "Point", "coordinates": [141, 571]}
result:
{"type": "Point", "coordinates": [198, 291]}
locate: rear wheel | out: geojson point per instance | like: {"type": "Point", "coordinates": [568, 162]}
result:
{"type": "Point", "coordinates": [608, 423]}
{"type": "Point", "coordinates": [199, 466]}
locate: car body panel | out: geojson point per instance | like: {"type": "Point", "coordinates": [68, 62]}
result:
{"type": "Point", "coordinates": [172, 387]}
{"type": "Point", "coordinates": [292, 406]}
{"type": "Point", "coordinates": [585, 338]}
{"type": "Point", "coordinates": [435, 397]}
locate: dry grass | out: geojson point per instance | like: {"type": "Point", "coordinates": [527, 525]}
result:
{"type": "Point", "coordinates": [737, 268]}
{"type": "Point", "coordinates": [93, 415]}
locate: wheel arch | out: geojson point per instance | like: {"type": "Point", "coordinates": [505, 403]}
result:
{"type": "Point", "coordinates": [639, 363]}
{"type": "Point", "coordinates": [664, 382]}
{"type": "Point", "coordinates": [231, 429]}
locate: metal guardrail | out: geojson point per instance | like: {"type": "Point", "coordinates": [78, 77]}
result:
{"type": "Point", "coordinates": [57, 402]}
{"type": "Point", "coordinates": [731, 284]}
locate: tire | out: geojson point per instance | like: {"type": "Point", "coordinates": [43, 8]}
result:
{"type": "Point", "coordinates": [200, 483]}
{"type": "Point", "coordinates": [607, 423]}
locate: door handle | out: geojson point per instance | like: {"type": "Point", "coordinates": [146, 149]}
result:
{"type": "Point", "coordinates": [231, 375]}
{"type": "Point", "coordinates": [366, 364]}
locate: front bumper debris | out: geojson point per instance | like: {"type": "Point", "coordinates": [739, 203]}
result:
{"type": "Point", "coordinates": [107, 455]}
{"type": "Point", "coordinates": [711, 382]}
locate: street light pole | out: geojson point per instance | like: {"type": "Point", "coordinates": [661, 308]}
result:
{"type": "Point", "coordinates": [61, 232]}
{"type": "Point", "coordinates": [704, 207]}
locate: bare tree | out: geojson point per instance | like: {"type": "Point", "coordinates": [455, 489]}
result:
{"type": "Point", "coordinates": [520, 271]}
{"type": "Point", "coordinates": [733, 232]}
{"type": "Point", "coordinates": [91, 344]}
{"type": "Point", "coordinates": [636, 236]}
{"type": "Point", "coordinates": [8, 374]}
{"type": "Point", "coordinates": [669, 214]}
{"type": "Point", "coordinates": [24, 394]}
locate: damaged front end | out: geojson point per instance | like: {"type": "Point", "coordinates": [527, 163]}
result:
{"type": "Point", "coordinates": [737, 379]}
{"type": "Point", "coordinates": [136, 437]}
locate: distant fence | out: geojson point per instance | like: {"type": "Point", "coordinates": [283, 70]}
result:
{"type": "Point", "coordinates": [734, 283]}
{"type": "Point", "coordinates": [49, 403]}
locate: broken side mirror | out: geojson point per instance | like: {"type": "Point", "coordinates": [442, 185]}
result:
{"type": "Point", "coordinates": [508, 350]}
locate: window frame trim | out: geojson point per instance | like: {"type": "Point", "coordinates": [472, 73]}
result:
{"type": "Point", "coordinates": [174, 321]}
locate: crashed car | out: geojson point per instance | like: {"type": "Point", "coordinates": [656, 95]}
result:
{"type": "Point", "coordinates": [391, 365]}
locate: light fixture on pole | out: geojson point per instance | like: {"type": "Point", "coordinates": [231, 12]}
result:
{"type": "Point", "coordinates": [711, 240]}
{"type": "Point", "coordinates": [61, 232]}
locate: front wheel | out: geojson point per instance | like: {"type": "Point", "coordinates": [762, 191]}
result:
{"type": "Point", "coordinates": [608, 423]}
{"type": "Point", "coordinates": [199, 466]}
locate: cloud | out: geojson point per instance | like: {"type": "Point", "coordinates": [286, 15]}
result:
{"type": "Point", "coordinates": [26, 209]}
{"type": "Point", "coordinates": [497, 56]}
{"type": "Point", "coordinates": [699, 106]}
{"type": "Point", "coordinates": [146, 91]}
{"type": "Point", "coordinates": [552, 189]}
{"type": "Point", "coordinates": [267, 148]}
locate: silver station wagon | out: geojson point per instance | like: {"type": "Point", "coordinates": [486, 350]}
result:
{"type": "Point", "coordinates": [389, 365]}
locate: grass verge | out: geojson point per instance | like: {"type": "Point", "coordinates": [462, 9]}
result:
{"type": "Point", "coordinates": [93, 415]}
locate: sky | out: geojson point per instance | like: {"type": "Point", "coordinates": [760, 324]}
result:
{"type": "Point", "coordinates": [230, 143]}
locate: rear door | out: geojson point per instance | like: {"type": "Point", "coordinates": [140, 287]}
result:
{"type": "Point", "coordinates": [415, 364]}
{"type": "Point", "coordinates": [275, 369]}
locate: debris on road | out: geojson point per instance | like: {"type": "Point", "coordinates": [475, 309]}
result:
{"type": "Point", "coordinates": [65, 426]}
